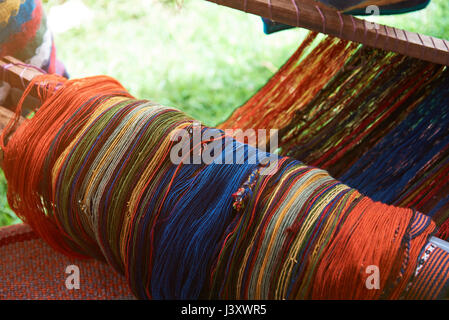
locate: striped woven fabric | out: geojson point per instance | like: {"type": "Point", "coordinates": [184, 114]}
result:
{"type": "Point", "coordinates": [30, 269]}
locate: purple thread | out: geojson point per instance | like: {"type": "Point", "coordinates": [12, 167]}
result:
{"type": "Point", "coordinates": [21, 77]}
{"type": "Point", "coordinates": [445, 44]}
{"type": "Point", "coordinates": [365, 30]}
{"type": "Point", "coordinates": [377, 37]}
{"type": "Point", "coordinates": [396, 37]}
{"type": "Point", "coordinates": [433, 43]}
{"type": "Point", "coordinates": [30, 66]}
{"type": "Point", "coordinates": [447, 48]}
{"type": "Point", "coordinates": [354, 28]}
{"type": "Point", "coordinates": [395, 34]}
{"type": "Point", "coordinates": [26, 66]}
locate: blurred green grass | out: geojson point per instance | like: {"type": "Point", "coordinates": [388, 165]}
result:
{"type": "Point", "coordinates": [203, 58]}
{"type": "Point", "coordinates": [432, 21]}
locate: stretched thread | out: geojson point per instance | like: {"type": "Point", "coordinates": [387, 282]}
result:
{"type": "Point", "coordinates": [378, 123]}
{"type": "Point", "coordinates": [99, 182]}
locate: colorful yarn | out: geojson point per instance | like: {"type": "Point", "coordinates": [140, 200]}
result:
{"type": "Point", "coordinates": [100, 181]}
{"type": "Point", "coordinates": [295, 249]}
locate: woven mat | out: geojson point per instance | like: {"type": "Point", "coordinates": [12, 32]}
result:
{"type": "Point", "coordinates": [30, 269]}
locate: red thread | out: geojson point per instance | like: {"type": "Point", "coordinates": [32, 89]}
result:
{"type": "Point", "coordinates": [323, 18]}
{"type": "Point", "coordinates": [270, 10]}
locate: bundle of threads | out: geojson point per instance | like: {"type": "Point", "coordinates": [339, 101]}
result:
{"type": "Point", "coordinates": [91, 172]}
{"type": "Point", "coordinates": [356, 7]}
{"type": "Point", "coordinates": [25, 35]}
{"type": "Point", "coordinates": [375, 120]}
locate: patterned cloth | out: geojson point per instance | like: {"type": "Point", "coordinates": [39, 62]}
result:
{"type": "Point", "coordinates": [30, 269]}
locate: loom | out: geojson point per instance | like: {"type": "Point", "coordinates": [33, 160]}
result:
{"type": "Point", "coordinates": [305, 14]}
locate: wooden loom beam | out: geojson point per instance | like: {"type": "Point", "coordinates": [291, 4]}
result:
{"type": "Point", "coordinates": [18, 75]}
{"type": "Point", "coordinates": [314, 16]}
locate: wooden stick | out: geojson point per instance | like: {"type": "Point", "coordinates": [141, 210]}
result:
{"type": "Point", "coordinates": [317, 17]}
{"type": "Point", "coordinates": [5, 116]}
{"type": "Point", "coordinates": [17, 74]}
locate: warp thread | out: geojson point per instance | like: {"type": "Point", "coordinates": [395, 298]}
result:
{"type": "Point", "coordinates": [374, 119]}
